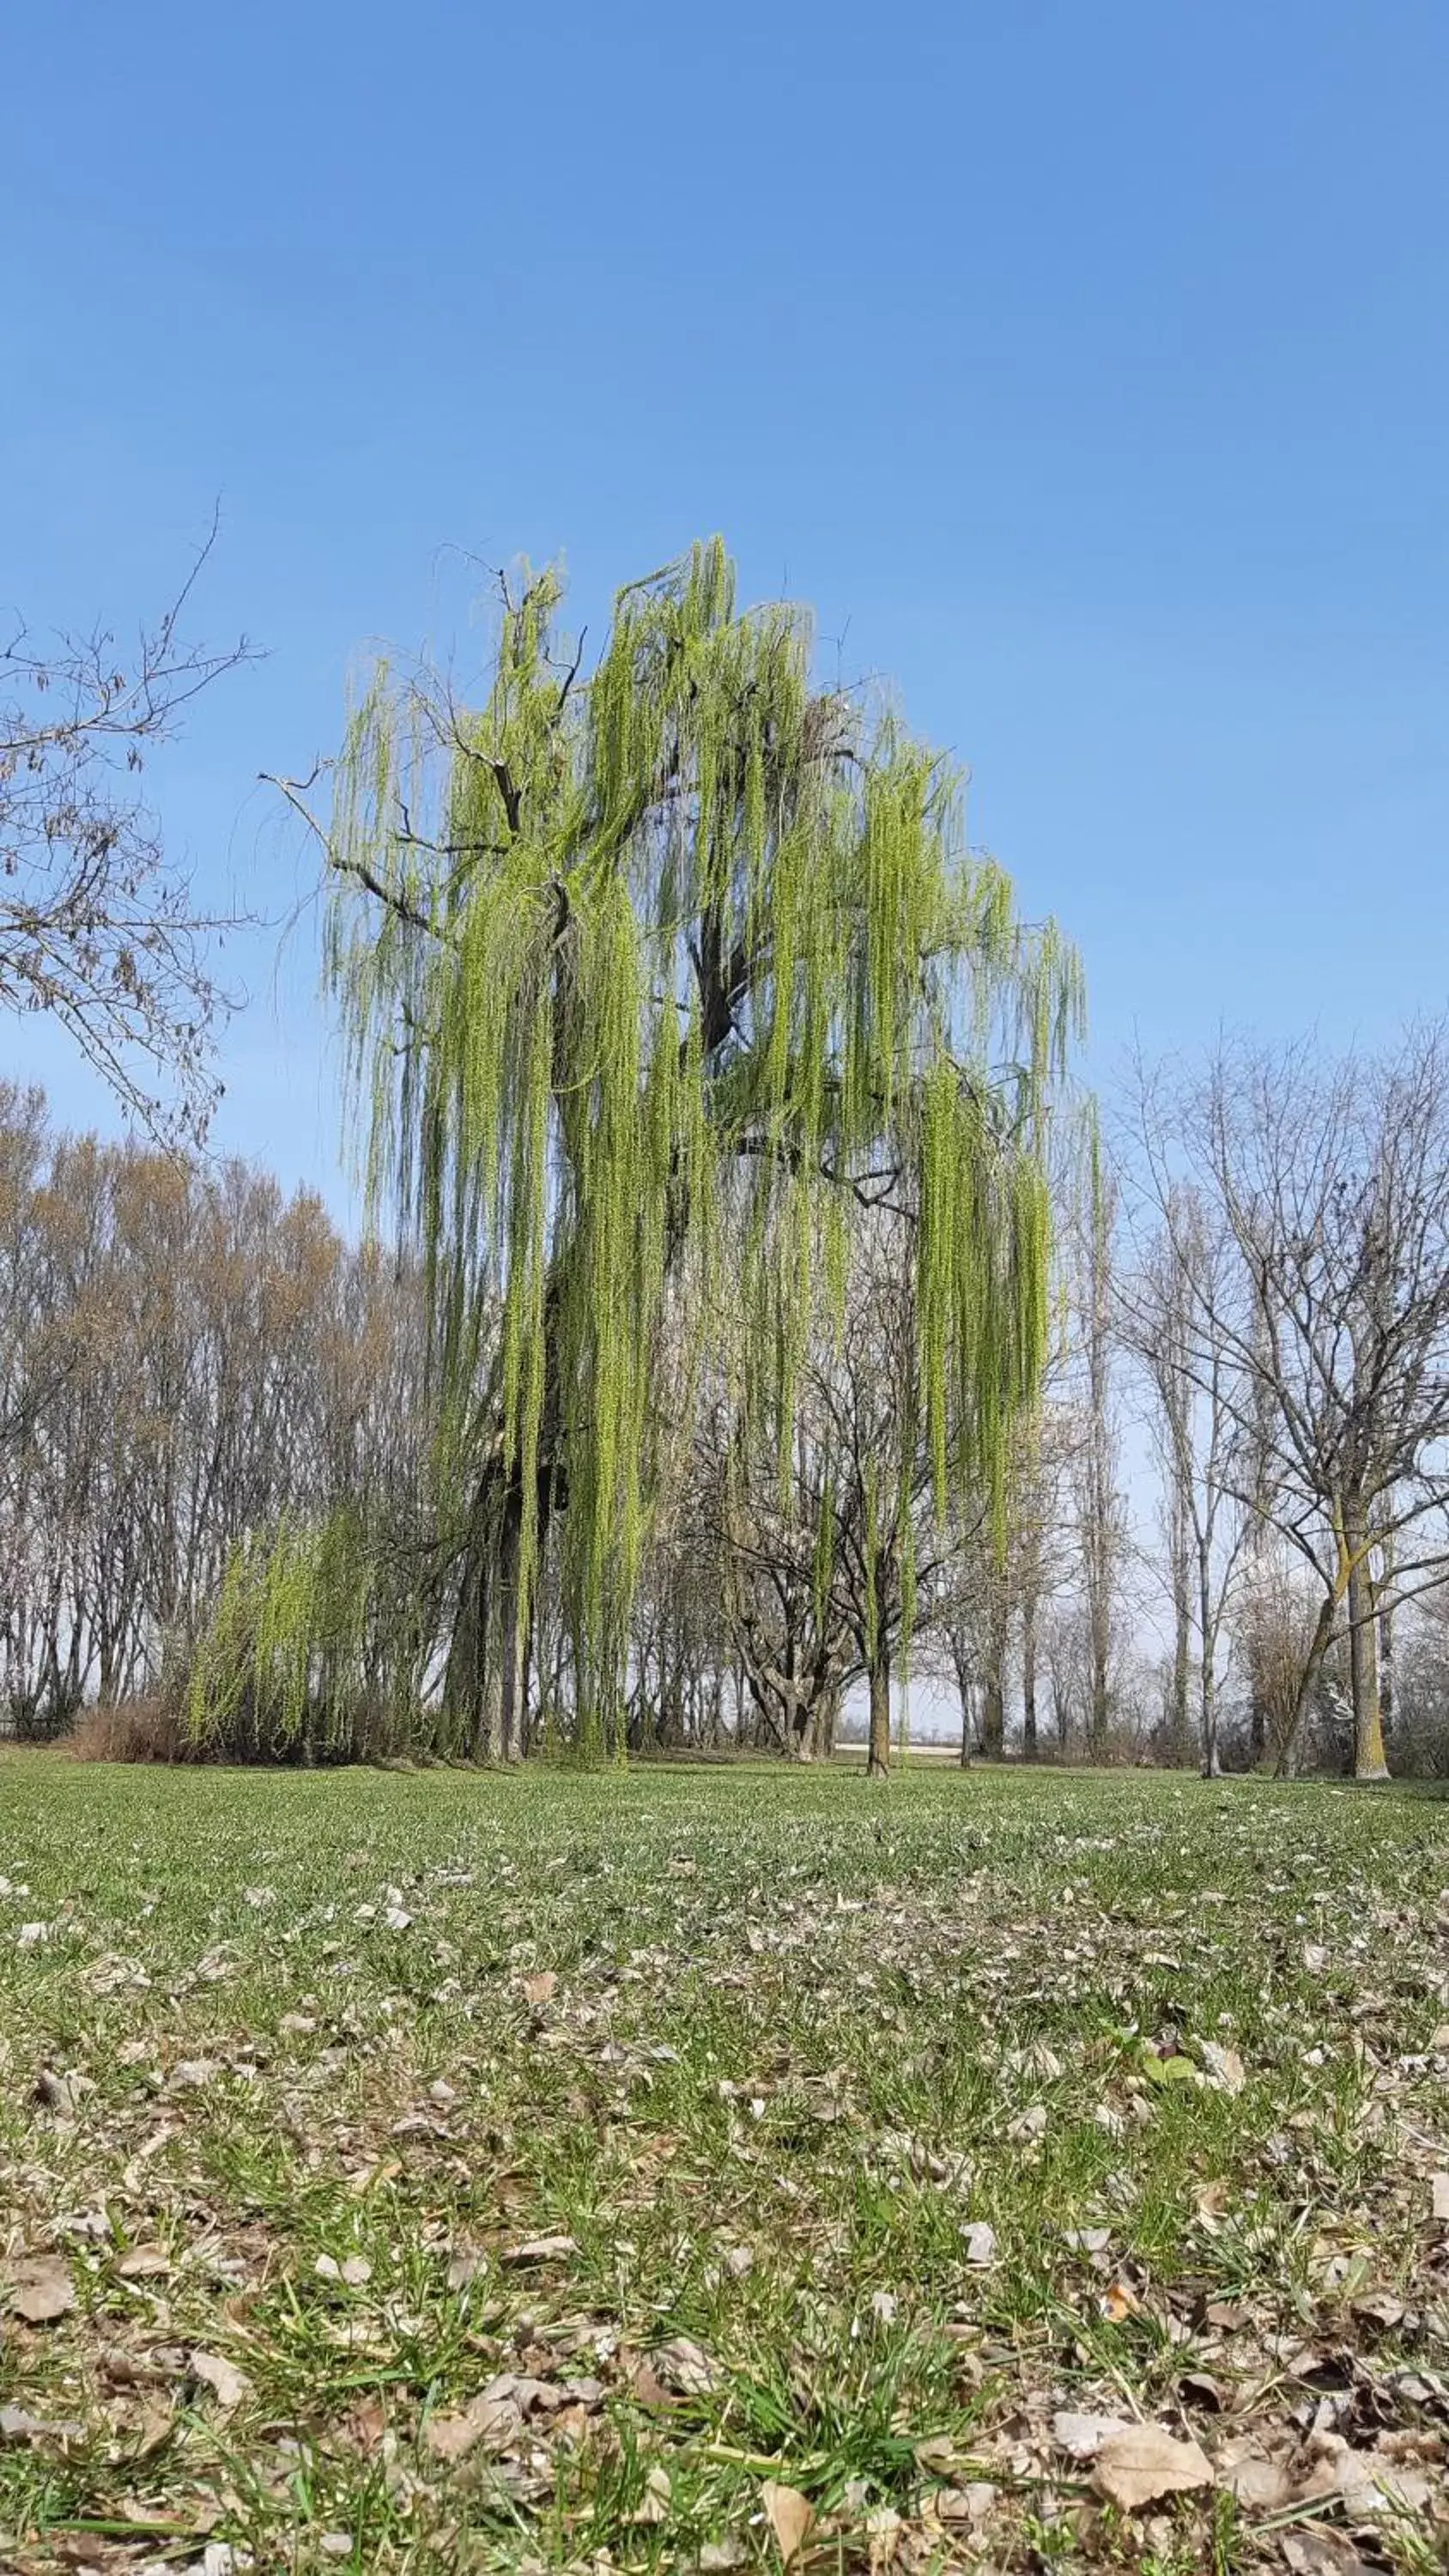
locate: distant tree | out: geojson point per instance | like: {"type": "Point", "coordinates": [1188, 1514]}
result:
{"type": "Point", "coordinates": [98, 928]}
{"type": "Point", "coordinates": [1326, 1334]}
{"type": "Point", "coordinates": [1202, 1415]}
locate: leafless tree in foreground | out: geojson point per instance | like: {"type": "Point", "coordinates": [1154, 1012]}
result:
{"type": "Point", "coordinates": [97, 927]}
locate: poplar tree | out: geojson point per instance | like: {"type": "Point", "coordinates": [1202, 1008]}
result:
{"type": "Point", "coordinates": [651, 977]}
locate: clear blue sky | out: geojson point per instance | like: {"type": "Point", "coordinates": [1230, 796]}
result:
{"type": "Point", "coordinates": [1083, 361]}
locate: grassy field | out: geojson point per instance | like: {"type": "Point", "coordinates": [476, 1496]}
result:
{"type": "Point", "coordinates": [705, 2168]}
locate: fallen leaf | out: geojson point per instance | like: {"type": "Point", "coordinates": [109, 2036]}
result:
{"type": "Point", "coordinates": [1439, 2187]}
{"type": "Point", "coordinates": [493, 2417]}
{"type": "Point", "coordinates": [1379, 2308]}
{"type": "Point", "coordinates": [40, 2291]}
{"type": "Point", "coordinates": [969, 2505]}
{"type": "Point", "coordinates": [789, 2515]}
{"type": "Point", "coordinates": [1136, 2467]}
{"type": "Point", "coordinates": [716, 2556]}
{"type": "Point", "coordinates": [193, 2074]}
{"type": "Point", "coordinates": [17, 2426]}
{"type": "Point", "coordinates": [228, 2384]}
{"type": "Point", "coordinates": [682, 2366]}
{"type": "Point", "coordinates": [1225, 2068]}
{"type": "Point", "coordinates": [1321, 2553]}
{"type": "Point", "coordinates": [365, 2424]}
{"type": "Point", "coordinates": [1083, 2435]}
{"type": "Point", "coordinates": [653, 2506]}
{"type": "Point", "coordinates": [540, 2249]}
{"type": "Point", "coordinates": [1376, 2488]}
{"type": "Point", "coordinates": [638, 2375]}
{"type": "Point", "coordinates": [1260, 2484]}
{"type": "Point", "coordinates": [143, 2263]}
{"type": "Point", "coordinates": [980, 2244]}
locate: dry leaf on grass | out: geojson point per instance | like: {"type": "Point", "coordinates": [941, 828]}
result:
{"type": "Point", "coordinates": [682, 2366]}
{"type": "Point", "coordinates": [40, 2291]}
{"type": "Point", "coordinates": [1082, 2436]}
{"type": "Point", "coordinates": [227, 2384]}
{"type": "Point", "coordinates": [789, 2515]}
{"type": "Point", "coordinates": [143, 2263]}
{"type": "Point", "coordinates": [17, 2426]}
{"type": "Point", "coordinates": [1137, 2467]}
{"type": "Point", "coordinates": [980, 2244]}
{"type": "Point", "coordinates": [1439, 2187]}
{"type": "Point", "coordinates": [540, 2249]}
{"type": "Point", "coordinates": [492, 2417]}
{"type": "Point", "coordinates": [1321, 2553]}
{"type": "Point", "coordinates": [653, 2505]}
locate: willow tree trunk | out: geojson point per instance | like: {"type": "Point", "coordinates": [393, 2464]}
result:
{"type": "Point", "coordinates": [993, 1713]}
{"type": "Point", "coordinates": [1029, 1745]}
{"type": "Point", "coordinates": [878, 1757]}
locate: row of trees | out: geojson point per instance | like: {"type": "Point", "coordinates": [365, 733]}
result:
{"type": "Point", "coordinates": [1223, 1534]}
{"type": "Point", "coordinates": [764, 1324]}
{"type": "Point", "coordinates": [185, 1358]}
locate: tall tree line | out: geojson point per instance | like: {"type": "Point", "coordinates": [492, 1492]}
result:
{"type": "Point", "coordinates": [186, 1356]}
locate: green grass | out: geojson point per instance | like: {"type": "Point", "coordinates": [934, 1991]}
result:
{"type": "Point", "coordinates": [806, 2036]}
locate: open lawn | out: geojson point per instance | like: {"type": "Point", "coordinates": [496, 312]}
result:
{"type": "Point", "coordinates": [433, 2171]}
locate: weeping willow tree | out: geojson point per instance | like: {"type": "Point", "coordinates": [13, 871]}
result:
{"type": "Point", "coordinates": [652, 978]}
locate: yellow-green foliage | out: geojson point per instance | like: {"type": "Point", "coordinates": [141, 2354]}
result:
{"type": "Point", "coordinates": [636, 965]}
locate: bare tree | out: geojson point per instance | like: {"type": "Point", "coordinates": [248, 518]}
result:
{"type": "Point", "coordinates": [97, 928]}
{"type": "Point", "coordinates": [1200, 1411]}
{"type": "Point", "coordinates": [1327, 1331]}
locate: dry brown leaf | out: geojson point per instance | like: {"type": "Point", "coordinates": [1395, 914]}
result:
{"type": "Point", "coordinates": [653, 2506]}
{"type": "Point", "coordinates": [1321, 2553]}
{"type": "Point", "coordinates": [1261, 2484]}
{"type": "Point", "coordinates": [40, 2291]}
{"type": "Point", "coordinates": [17, 2426]}
{"type": "Point", "coordinates": [1082, 2436]}
{"type": "Point", "coordinates": [228, 2384]}
{"type": "Point", "coordinates": [789, 2515]}
{"type": "Point", "coordinates": [1136, 2467]}
{"type": "Point", "coordinates": [638, 2375]}
{"type": "Point", "coordinates": [682, 2366]}
{"type": "Point", "coordinates": [143, 2263]}
{"type": "Point", "coordinates": [540, 2249]}
{"type": "Point", "coordinates": [365, 2424]}
{"type": "Point", "coordinates": [493, 2417]}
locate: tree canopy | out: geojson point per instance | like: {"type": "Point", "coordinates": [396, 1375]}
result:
{"type": "Point", "coordinates": [659, 969]}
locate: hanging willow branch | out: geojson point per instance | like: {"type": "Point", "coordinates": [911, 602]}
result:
{"type": "Point", "coordinates": [647, 978]}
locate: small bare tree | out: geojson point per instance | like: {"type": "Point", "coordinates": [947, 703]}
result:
{"type": "Point", "coordinates": [97, 927]}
